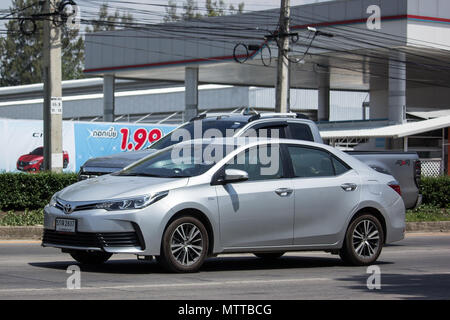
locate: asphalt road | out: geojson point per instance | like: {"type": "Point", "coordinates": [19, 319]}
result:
{"type": "Point", "coordinates": [416, 268]}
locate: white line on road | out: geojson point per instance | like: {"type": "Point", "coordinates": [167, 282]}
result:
{"type": "Point", "coordinates": [171, 285]}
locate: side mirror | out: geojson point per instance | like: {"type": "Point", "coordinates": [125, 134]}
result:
{"type": "Point", "coordinates": [231, 176]}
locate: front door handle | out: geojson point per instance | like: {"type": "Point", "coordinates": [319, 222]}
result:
{"type": "Point", "coordinates": [284, 192]}
{"type": "Point", "coordinates": [348, 187]}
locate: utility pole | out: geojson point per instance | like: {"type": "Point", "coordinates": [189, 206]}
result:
{"type": "Point", "coordinates": [53, 153]}
{"type": "Point", "coordinates": [282, 89]}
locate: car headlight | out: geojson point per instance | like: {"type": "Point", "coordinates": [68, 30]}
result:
{"type": "Point", "coordinates": [53, 201]}
{"type": "Point", "coordinates": [33, 162]}
{"type": "Point", "coordinates": [132, 203]}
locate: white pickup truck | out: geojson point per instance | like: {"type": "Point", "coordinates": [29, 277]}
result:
{"type": "Point", "coordinates": [405, 167]}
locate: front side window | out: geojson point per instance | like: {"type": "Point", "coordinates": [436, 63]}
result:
{"type": "Point", "coordinates": [310, 163]}
{"type": "Point", "coordinates": [261, 163]}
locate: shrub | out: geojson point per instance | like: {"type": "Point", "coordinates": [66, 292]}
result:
{"type": "Point", "coordinates": [436, 191]}
{"type": "Point", "coordinates": [27, 218]}
{"type": "Point", "coordinates": [21, 191]}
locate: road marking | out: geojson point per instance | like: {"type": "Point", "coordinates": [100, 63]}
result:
{"type": "Point", "coordinates": [172, 285]}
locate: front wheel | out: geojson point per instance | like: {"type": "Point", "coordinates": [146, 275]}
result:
{"type": "Point", "coordinates": [184, 246]}
{"type": "Point", "coordinates": [90, 258]}
{"type": "Point", "coordinates": [363, 242]}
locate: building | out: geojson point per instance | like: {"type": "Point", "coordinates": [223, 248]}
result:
{"type": "Point", "coordinates": [396, 51]}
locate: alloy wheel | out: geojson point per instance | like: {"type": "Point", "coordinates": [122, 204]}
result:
{"type": "Point", "coordinates": [186, 244]}
{"type": "Point", "coordinates": [366, 239]}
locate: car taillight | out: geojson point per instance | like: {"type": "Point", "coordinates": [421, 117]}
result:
{"type": "Point", "coordinates": [417, 172]}
{"type": "Point", "coordinates": [396, 187]}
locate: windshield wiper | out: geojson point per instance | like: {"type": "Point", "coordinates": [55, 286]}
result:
{"type": "Point", "coordinates": [139, 175]}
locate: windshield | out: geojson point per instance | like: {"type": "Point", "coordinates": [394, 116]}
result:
{"type": "Point", "coordinates": [221, 125]}
{"type": "Point", "coordinates": [37, 152]}
{"type": "Point", "coordinates": [185, 161]}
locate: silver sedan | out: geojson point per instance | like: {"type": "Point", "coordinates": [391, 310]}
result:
{"type": "Point", "coordinates": [203, 198]}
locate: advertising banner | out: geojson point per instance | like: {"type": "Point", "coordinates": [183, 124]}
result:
{"type": "Point", "coordinates": [102, 139]}
{"type": "Point", "coordinates": [21, 142]}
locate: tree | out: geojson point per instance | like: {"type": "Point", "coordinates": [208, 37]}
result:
{"type": "Point", "coordinates": [110, 22]}
{"type": "Point", "coordinates": [191, 10]}
{"type": "Point", "coordinates": [21, 55]}
{"type": "Point", "coordinates": [171, 12]}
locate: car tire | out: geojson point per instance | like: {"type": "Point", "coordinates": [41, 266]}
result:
{"type": "Point", "coordinates": [363, 241]}
{"type": "Point", "coordinates": [90, 258]}
{"type": "Point", "coordinates": [184, 246]}
{"type": "Point", "coordinates": [269, 255]}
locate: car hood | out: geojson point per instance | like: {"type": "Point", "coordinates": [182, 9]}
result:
{"type": "Point", "coordinates": [30, 157]}
{"type": "Point", "coordinates": [119, 160]}
{"type": "Point", "coordinates": [114, 187]}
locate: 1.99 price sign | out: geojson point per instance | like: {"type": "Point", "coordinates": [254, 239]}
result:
{"type": "Point", "coordinates": [139, 139]}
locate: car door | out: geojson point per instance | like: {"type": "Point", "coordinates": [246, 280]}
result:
{"type": "Point", "coordinates": [326, 192]}
{"type": "Point", "coordinates": [260, 211]}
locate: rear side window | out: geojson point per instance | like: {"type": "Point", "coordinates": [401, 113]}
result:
{"type": "Point", "coordinates": [300, 131]}
{"type": "Point", "coordinates": [340, 167]}
{"type": "Point", "coordinates": [308, 162]}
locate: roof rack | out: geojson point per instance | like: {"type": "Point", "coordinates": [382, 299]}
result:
{"type": "Point", "coordinates": [277, 115]}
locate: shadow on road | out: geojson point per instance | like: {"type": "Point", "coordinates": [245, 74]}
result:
{"type": "Point", "coordinates": [410, 286]}
{"type": "Point", "coordinates": [222, 263]}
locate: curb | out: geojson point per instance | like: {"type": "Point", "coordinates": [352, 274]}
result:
{"type": "Point", "coordinates": [21, 233]}
{"type": "Point", "coordinates": [424, 227]}
{"type": "Point", "coordinates": [35, 233]}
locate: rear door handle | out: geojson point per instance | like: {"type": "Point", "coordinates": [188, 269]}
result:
{"type": "Point", "coordinates": [348, 187]}
{"type": "Point", "coordinates": [284, 192]}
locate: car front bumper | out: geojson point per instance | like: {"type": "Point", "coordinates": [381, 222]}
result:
{"type": "Point", "coordinates": [99, 230]}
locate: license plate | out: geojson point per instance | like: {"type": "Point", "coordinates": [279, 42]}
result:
{"type": "Point", "coordinates": [20, 168]}
{"type": "Point", "coordinates": [65, 225]}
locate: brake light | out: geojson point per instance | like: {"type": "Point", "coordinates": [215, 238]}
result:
{"type": "Point", "coordinates": [417, 172]}
{"type": "Point", "coordinates": [396, 187]}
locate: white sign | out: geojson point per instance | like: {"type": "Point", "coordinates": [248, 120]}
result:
{"type": "Point", "coordinates": [56, 105]}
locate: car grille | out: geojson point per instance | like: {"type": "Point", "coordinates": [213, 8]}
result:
{"type": "Point", "coordinates": [23, 163]}
{"type": "Point", "coordinates": [93, 240]}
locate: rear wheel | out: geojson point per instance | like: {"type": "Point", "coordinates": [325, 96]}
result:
{"type": "Point", "coordinates": [363, 242]}
{"type": "Point", "coordinates": [269, 255]}
{"type": "Point", "coordinates": [184, 246]}
{"type": "Point", "coordinates": [90, 258]}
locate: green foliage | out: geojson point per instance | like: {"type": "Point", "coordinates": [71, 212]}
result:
{"type": "Point", "coordinates": [21, 55]}
{"type": "Point", "coordinates": [428, 213]}
{"type": "Point", "coordinates": [21, 191]}
{"type": "Point", "coordinates": [22, 219]}
{"type": "Point", "coordinates": [192, 11]}
{"type": "Point", "coordinates": [110, 22]}
{"type": "Point", "coordinates": [436, 191]}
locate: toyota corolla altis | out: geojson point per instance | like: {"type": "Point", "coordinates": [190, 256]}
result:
{"type": "Point", "coordinates": [203, 198]}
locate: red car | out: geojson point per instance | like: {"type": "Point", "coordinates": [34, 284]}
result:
{"type": "Point", "coordinates": [34, 161]}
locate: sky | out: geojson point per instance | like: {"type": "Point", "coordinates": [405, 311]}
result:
{"type": "Point", "coordinates": [250, 5]}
